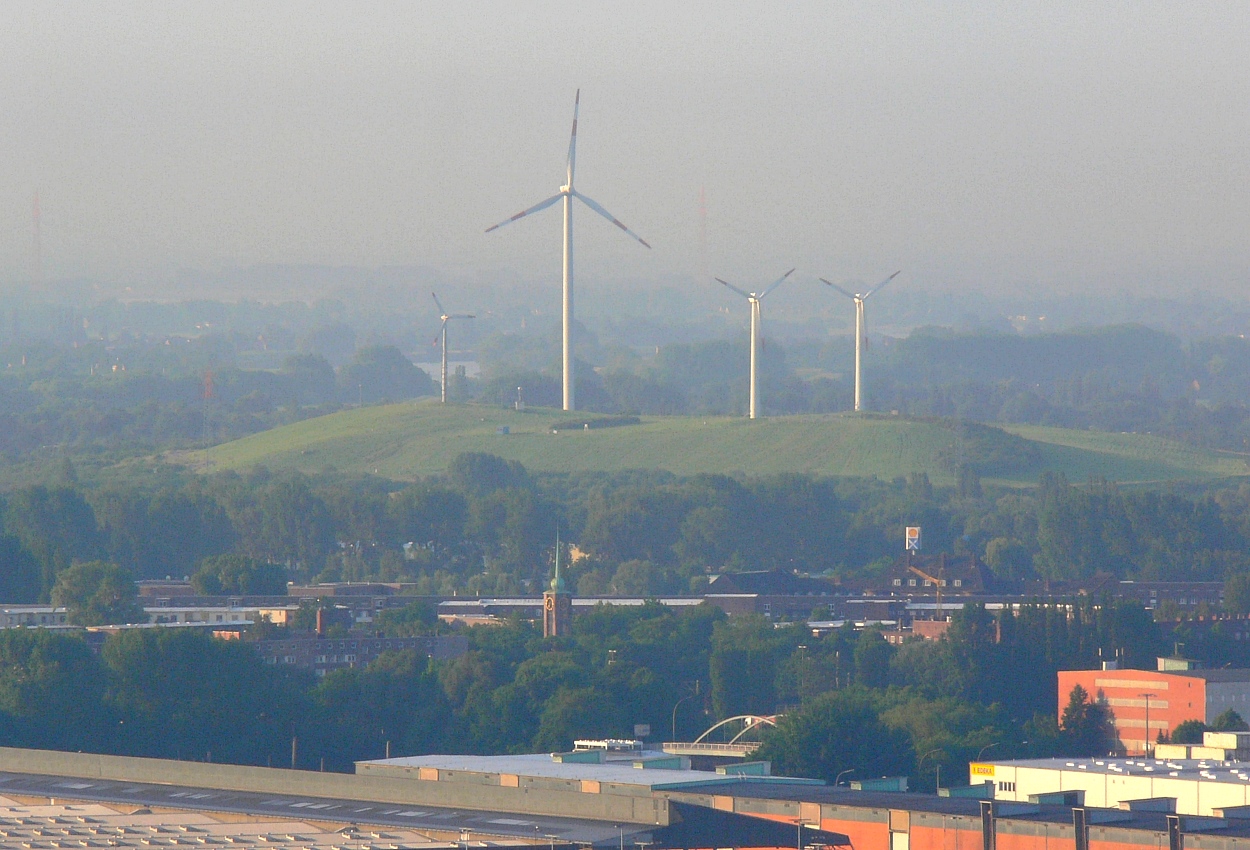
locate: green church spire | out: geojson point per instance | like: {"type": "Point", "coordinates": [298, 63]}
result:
{"type": "Point", "coordinates": [557, 583]}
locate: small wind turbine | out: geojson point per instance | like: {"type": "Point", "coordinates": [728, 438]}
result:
{"type": "Point", "coordinates": [446, 317]}
{"type": "Point", "coordinates": [754, 300]}
{"type": "Point", "coordinates": [859, 325]}
{"type": "Point", "coordinates": [568, 193]}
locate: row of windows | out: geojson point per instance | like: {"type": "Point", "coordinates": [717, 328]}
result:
{"type": "Point", "coordinates": [44, 619]}
{"type": "Point", "coordinates": [911, 582]}
{"type": "Point", "coordinates": [349, 657]}
{"type": "Point", "coordinates": [402, 644]}
{"type": "Point", "coordinates": [1006, 786]}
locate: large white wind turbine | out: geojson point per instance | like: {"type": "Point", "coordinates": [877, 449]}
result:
{"type": "Point", "coordinates": [859, 324]}
{"type": "Point", "coordinates": [568, 193]}
{"type": "Point", "coordinates": [446, 317]}
{"type": "Point", "coordinates": [754, 300]}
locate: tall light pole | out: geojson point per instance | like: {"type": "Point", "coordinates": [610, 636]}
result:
{"type": "Point", "coordinates": [987, 747]}
{"type": "Point", "coordinates": [938, 780]}
{"type": "Point", "coordinates": [838, 779]}
{"type": "Point", "coordinates": [1147, 698]}
{"type": "Point", "coordinates": [679, 702]}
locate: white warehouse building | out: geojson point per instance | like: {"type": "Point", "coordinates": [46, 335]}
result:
{"type": "Point", "coordinates": [1186, 786]}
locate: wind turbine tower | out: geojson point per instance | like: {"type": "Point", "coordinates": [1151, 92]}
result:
{"type": "Point", "coordinates": [567, 193]}
{"type": "Point", "coordinates": [754, 300]}
{"type": "Point", "coordinates": [860, 327]}
{"type": "Point", "coordinates": [446, 317]}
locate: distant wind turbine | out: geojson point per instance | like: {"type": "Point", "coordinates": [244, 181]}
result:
{"type": "Point", "coordinates": [568, 193]}
{"type": "Point", "coordinates": [860, 328]}
{"type": "Point", "coordinates": [446, 317]}
{"type": "Point", "coordinates": [754, 300]}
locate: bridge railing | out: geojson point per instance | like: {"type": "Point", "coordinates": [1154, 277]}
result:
{"type": "Point", "coordinates": [686, 747]}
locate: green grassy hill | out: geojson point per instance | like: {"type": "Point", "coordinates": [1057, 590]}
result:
{"type": "Point", "coordinates": [418, 438]}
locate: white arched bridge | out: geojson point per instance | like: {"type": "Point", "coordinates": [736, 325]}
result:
{"type": "Point", "coordinates": [733, 737]}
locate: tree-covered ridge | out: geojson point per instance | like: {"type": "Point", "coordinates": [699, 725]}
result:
{"type": "Point", "coordinates": [124, 393]}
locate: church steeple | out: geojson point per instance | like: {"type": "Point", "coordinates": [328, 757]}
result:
{"type": "Point", "coordinates": [557, 602]}
{"type": "Point", "coordinates": [557, 583]}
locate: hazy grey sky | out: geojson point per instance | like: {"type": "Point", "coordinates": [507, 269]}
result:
{"type": "Point", "coordinates": [974, 144]}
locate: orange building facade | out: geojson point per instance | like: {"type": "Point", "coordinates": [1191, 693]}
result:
{"type": "Point", "coordinates": [1169, 698]}
{"type": "Point", "coordinates": [948, 824]}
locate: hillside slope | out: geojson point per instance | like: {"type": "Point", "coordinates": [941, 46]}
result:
{"type": "Point", "coordinates": [403, 441]}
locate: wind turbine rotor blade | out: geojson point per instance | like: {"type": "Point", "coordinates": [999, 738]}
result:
{"type": "Point", "coordinates": [883, 283]}
{"type": "Point", "coordinates": [599, 209]}
{"type": "Point", "coordinates": [572, 160]}
{"type": "Point", "coordinates": [462, 316]}
{"type": "Point", "coordinates": [840, 289]}
{"type": "Point", "coordinates": [442, 310]}
{"type": "Point", "coordinates": [541, 205]}
{"type": "Point", "coordinates": [745, 295]}
{"type": "Point", "coordinates": [776, 283]}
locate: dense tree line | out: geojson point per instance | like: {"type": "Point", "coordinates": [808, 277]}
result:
{"type": "Point", "coordinates": [488, 526]}
{"type": "Point", "coordinates": [96, 398]}
{"type": "Point", "coordinates": [1116, 378]}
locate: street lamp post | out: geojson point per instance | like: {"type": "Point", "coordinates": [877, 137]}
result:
{"type": "Point", "coordinates": [679, 702]}
{"type": "Point", "coordinates": [1147, 698]}
{"type": "Point", "coordinates": [938, 779]}
{"type": "Point", "coordinates": [838, 779]}
{"type": "Point", "coordinates": [987, 747]}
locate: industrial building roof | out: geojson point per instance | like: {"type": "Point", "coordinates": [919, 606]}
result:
{"type": "Point", "coordinates": [89, 825]}
{"type": "Point", "coordinates": [1222, 675]}
{"type": "Point", "coordinates": [369, 825]}
{"type": "Point", "coordinates": [916, 803]}
{"type": "Point", "coordinates": [285, 807]}
{"type": "Point", "coordinates": [620, 771]}
{"type": "Point", "coordinates": [1208, 770]}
